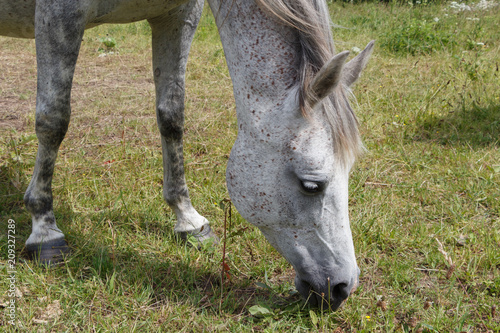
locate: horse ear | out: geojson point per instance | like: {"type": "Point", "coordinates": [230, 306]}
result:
{"type": "Point", "coordinates": [352, 70]}
{"type": "Point", "coordinates": [327, 78]}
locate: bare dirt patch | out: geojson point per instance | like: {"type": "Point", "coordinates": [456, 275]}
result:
{"type": "Point", "coordinates": [105, 89]}
{"type": "Point", "coordinates": [17, 83]}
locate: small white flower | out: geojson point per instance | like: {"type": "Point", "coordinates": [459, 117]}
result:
{"type": "Point", "coordinates": [485, 4]}
{"type": "Point", "coordinates": [436, 19]}
{"type": "Point", "coordinates": [459, 7]}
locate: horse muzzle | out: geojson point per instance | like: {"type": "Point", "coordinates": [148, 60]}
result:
{"type": "Point", "coordinates": [327, 294]}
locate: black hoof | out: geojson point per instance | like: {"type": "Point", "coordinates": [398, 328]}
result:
{"type": "Point", "coordinates": [200, 236]}
{"type": "Point", "coordinates": [49, 253]}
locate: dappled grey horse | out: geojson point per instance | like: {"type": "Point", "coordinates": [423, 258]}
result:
{"type": "Point", "coordinates": [297, 135]}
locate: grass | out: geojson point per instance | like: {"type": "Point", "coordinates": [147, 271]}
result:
{"type": "Point", "coordinates": [430, 120]}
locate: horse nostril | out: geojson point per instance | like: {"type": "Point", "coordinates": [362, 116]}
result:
{"type": "Point", "coordinates": [341, 291]}
{"type": "Point", "coordinates": [326, 296]}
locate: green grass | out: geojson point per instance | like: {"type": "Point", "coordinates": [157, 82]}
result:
{"type": "Point", "coordinates": [430, 119]}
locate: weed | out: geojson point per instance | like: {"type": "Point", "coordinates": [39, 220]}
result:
{"type": "Point", "coordinates": [108, 42]}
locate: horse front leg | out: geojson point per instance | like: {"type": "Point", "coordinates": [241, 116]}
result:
{"type": "Point", "coordinates": [172, 37]}
{"type": "Point", "coordinates": [58, 33]}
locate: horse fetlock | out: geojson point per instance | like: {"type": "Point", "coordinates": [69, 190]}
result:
{"type": "Point", "coordinates": [176, 195]}
{"type": "Point", "coordinates": [188, 219]}
{"type": "Point", "coordinates": [38, 204]}
{"type": "Point", "coordinates": [44, 229]}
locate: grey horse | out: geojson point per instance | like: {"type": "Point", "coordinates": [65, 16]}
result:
{"type": "Point", "coordinates": [297, 134]}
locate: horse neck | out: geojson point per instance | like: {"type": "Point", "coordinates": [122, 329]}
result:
{"type": "Point", "coordinates": [261, 55]}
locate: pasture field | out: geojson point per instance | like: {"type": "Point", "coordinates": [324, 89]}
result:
{"type": "Point", "coordinates": [424, 199]}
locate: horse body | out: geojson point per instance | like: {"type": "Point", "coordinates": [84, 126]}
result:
{"type": "Point", "coordinates": [287, 173]}
{"type": "Point", "coordinates": [17, 18]}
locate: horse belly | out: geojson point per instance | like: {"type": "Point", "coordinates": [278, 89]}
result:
{"type": "Point", "coordinates": [125, 11]}
{"type": "Point", "coordinates": [17, 18]}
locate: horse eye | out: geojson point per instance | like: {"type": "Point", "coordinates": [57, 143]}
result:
{"type": "Point", "coordinates": [312, 187]}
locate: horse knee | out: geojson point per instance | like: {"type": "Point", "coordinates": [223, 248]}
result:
{"type": "Point", "coordinates": [171, 122]}
{"type": "Point", "coordinates": [51, 127]}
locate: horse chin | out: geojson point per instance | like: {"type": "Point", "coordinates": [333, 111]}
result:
{"type": "Point", "coordinates": [325, 300]}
